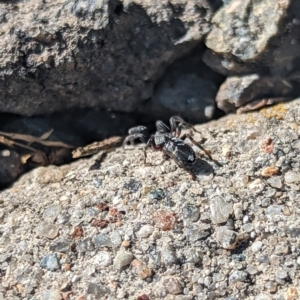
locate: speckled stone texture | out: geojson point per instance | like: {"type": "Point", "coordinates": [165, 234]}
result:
{"type": "Point", "coordinates": [134, 231]}
{"type": "Point", "coordinates": [56, 55]}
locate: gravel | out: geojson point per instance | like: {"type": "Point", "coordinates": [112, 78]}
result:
{"type": "Point", "coordinates": [135, 231]}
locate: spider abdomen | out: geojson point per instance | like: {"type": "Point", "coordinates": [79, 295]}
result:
{"type": "Point", "coordinates": [182, 151]}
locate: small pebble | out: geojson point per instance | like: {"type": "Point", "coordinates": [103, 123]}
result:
{"type": "Point", "coordinates": [247, 227]}
{"type": "Point", "coordinates": [226, 150]}
{"type": "Point", "coordinates": [49, 231]}
{"type": "Point", "coordinates": [207, 281]}
{"type": "Point", "coordinates": [292, 293]}
{"type": "Point", "coordinates": [256, 246]}
{"type": "Point", "coordinates": [274, 210]}
{"type": "Point", "coordinates": [275, 182]}
{"type": "Point", "coordinates": [50, 262]}
{"type": "Point", "coordinates": [141, 269]}
{"type": "Point", "coordinates": [165, 220]}
{"type": "Point", "coordinates": [102, 240]}
{"type": "Point", "coordinates": [98, 290]}
{"type": "Point", "coordinates": [145, 231]}
{"type": "Point", "coordinates": [263, 297]}
{"type": "Point", "coordinates": [270, 171]}
{"type": "Point", "coordinates": [237, 276]}
{"type": "Point", "coordinates": [122, 259]}
{"type": "Point", "coordinates": [226, 238]}
{"type": "Point", "coordinates": [132, 185]}
{"type": "Point", "coordinates": [191, 213]}
{"type": "Point", "coordinates": [265, 202]}
{"type": "Point", "coordinates": [282, 274]}
{"type": "Point", "coordinates": [263, 259]}
{"type": "Point", "coordinates": [172, 285]}
{"type": "Point", "coordinates": [220, 210]}
{"type": "Point", "coordinates": [238, 210]}
{"type": "Point", "coordinates": [85, 245]}
{"type": "Point", "coordinates": [157, 194]}
{"type": "Point", "coordinates": [51, 295]}
{"type": "Point", "coordinates": [271, 286]}
{"type": "Point", "coordinates": [291, 177]}
{"type": "Point", "coordinates": [103, 259]}
{"type": "Point", "coordinates": [60, 246]}
{"type": "Point", "coordinates": [282, 248]}
{"type": "Point", "coordinates": [252, 270]}
{"type": "Point", "coordinates": [51, 213]}
{"type": "Point", "coordinates": [116, 238]}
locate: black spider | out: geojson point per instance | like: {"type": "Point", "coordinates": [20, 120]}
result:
{"type": "Point", "coordinates": [168, 141]}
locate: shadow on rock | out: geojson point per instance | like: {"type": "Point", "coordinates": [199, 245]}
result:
{"type": "Point", "coordinates": [202, 170]}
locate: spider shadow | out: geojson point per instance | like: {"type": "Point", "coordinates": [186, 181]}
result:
{"type": "Point", "coordinates": [201, 169]}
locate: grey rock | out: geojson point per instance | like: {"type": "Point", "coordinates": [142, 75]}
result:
{"type": "Point", "coordinates": [263, 297]}
{"type": "Point", "coordinates": [103, 258]}
{"type": "Point", "coordinates": [122, 259]}
{"type": "Point", "coordinates": [236, 91]}
{"type": "Point", "coordinates": [271, 286]}
{"type": "Point", "coordinates": [85, 245]}
{"type": "Point", "coordinates": [51, 212]}
{"type": "Point", "coordinates": [50, 262]}
{"type": "Point", "coordinates": [263, 259]}
{"type": "Point", "coordinates": [291, 177]}
{"type": "Point", "coordinates": [47, 230]}
{"type": "Point", "coordinates": [237, 276]}
{"type": "Point", "coordinates": [145, 231]}
{"type": "Point", "coordinates": [275, 181]}
{"type": "Point", "coordinates": [243, 16]}
{"type": "Point", "coordinates": [256, 246]}
{"type": "Point", "coordinates": [178, 253]}
{"type": "Point", "coordinates": [190, 213]}
{"type": "Point", "coordinates": [226, 238]}
{"type": "Point", "coordinates": [116, 238]}
{"type": "Point", "coordinates": [157, 194]}
{"type": "Point", "coordinates": [61, 246]}
{"type": "Point", "coordinates": [98, 290]}
{"type": "Point", "coordinates": [169, 256]}
{"type": "Point", "coordinates": [220, 210]}
{"type": "Point", "coordinates": [207, 281]}
{"type": "Point", "coordinates": [172, 285]}
{"type": "Point", "coordinates": [53, 294]}
{"type": "Point", "coordinates": [196, 232]}
{"type": "Point", "coordinates": [247, 227]}
{"type": "Point", "coordinates": [84, 64]}
{"type": "Point", "coordinates": [274, 210]}
{"type": "Point", "coordinates": [102, 240]}
{"type": "Point", "coordinates": [282, 274]}
{"type": "Point", "coordinates": [132, 185]}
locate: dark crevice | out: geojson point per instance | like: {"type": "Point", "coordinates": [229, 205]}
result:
{"type": "Point", "coordinates": [119, 9]}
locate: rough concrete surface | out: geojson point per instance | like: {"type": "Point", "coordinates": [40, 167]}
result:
{"type": "Point", "coordinates": [126, 230]}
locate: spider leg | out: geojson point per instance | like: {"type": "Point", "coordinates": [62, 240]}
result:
{"type": "Point", "coordinates": [132, 137]}
{"type": "Point", "coordinates": [134, 133]}
{"type": "Point", "coordinates": [198, 145]}
{"type": "Point", "coordinates": [161, 126]}
{"type": "Point", "coordinates": [148, 145]}
{"type": "Point", "coordinates": [177, 124]}
{"type": "Point", "coordinates": [138, 129]}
